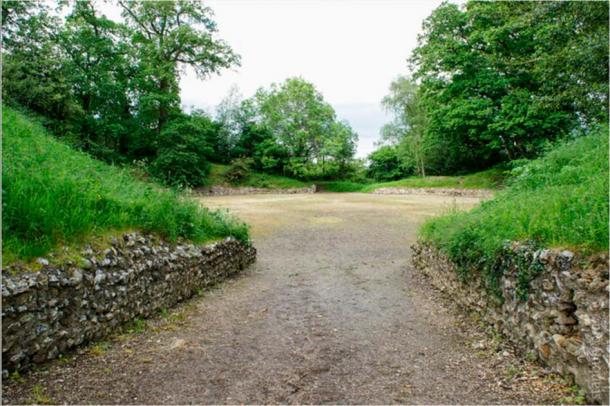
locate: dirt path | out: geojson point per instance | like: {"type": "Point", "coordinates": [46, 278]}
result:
{"type": "Point", "coordinates": [330, 313]}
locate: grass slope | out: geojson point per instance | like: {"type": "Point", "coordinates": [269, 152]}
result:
{"type": "Point", "coordinates": [260, 180]}
{"type": "Point", "coordinates": [489, 179]}
{"type": "Point", "coordinates": [54, 195]}
{"type": "Point", "coordinates": [560, 200]}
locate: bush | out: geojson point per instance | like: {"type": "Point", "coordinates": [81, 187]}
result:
{"type": "Point", "coordinates": [386, 164]}
{"type": "Point", "coordinates": [54, 195]}
{"type": "Point", "coordinates": [183, 153]}
{"type": "Point", "coordinates": [238, 171]}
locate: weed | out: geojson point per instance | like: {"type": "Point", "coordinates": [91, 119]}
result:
{"type": "Point", "coordinates": [16, 377]}
{"type": "Point", "coordinates": [99, 349]}
{"type": "Point", "coordinates": [512, 371]}
{"type": "Point", "coordinates": [577, 397]}
{"type": "Point", "coordinates": [137, 326]}
{"type": "Point", "coordinates": [40, 396]}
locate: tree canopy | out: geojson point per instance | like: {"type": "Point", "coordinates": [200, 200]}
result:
{"type": "Point", "coordinates": [496, 81]}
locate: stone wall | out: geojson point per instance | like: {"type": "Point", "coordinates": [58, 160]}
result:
{"type": "Point", "coordinates": [60, 307]}
{"type": "Point", "coordinates": [483, 193]}
{"type": "Point", "coordinates": [227, 191]}
{"type": "Point", "coordinates": [563, 319]}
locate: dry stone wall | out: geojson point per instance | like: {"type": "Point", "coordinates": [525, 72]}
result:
{"type": "Point", "coordinates": [60, 307]}
{"type": "Point", "coordinates": [227, 191]}
{"type": "Point", "coordinates": [483, 193]}
{"type": "Point", "coordinates": [563, 319]}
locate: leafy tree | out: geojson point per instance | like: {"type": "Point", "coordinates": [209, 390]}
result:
{"type": "Point", "coordinates": [408, 128]}
{"type": "Point", "coordinates": [385, 164]}
{"type": "Point", "coordinates": [33, 72]}
{"type": "Point", "coordinates": [304, 127]}
{"type": "Point", "coordinates": [231, 120]}
{"type": "Point", "coordinates": [99, 68]}
{"type": "Point", "coordinates": [168, 36]}
{"type": "Point", "coordinates": [499, 80]}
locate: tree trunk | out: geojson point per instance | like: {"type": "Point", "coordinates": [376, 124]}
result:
{"type": "Point", "coordinates": [163, 110]}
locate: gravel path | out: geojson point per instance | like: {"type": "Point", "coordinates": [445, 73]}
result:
{"type": "Point", "coordinates": [331, 313]}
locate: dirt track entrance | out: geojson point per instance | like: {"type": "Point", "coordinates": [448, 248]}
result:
{"type": "Point", "coordinates": [331, 312]}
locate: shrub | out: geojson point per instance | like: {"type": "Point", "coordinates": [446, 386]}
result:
{"type": "Point", "coordinates": [238, 171]}
{"type": "Point", "coordinates": [183, 153]}
{"type": "Point", "coordinates": [386, 164]}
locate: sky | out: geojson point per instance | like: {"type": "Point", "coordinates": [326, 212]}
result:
{"type": "Point", "coordinates": [349, 49]}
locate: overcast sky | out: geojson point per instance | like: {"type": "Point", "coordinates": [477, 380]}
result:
{"type": "Point", "coordinates": [349, 49]}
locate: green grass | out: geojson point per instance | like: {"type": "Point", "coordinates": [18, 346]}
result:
{"type": "Point", "coordinates": [560, 200]}
{"type": "Point", "coordinates": [55, 195]}
{"type": "Point", "coordinates": [341, 186]}
{"type": "Point", "coordinates": [255, 179]}
{"type": "Point", "coordinates": [489, 179]}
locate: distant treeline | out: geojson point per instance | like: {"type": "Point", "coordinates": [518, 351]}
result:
{"type": "Point", "coordinates": [111, 88]}
{"type": "Point", "coordinates": [494, 82]}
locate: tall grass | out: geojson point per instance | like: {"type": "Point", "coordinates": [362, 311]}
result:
{"type": "Point", "coordinates": [52, 194]}
{"type": "Point", "coordinates": [560, 200]}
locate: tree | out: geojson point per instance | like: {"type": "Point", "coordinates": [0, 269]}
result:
{"type": "Point", "coordinates": [408, 127]}
{"type": "Point", "coordinates": [33, 70]}
{"type": "Point", "coordinates": [304, 126]}
{"type": "Point", "coordinates": [99, 68]}
{"type": "Point", "coordinates": [499, 80]}
{"type": "Point", "coordinates": [231, 121]}
{"type": "Point", "coordinates": [169, 36]}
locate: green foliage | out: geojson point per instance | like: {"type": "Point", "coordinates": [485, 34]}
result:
{"type": "Point", "coordinates": [54, 195]}
{"type": "Point", "coordinates": [166, 35]}
{"type": "Point", "coordinates": [386, 164]}
{"type": "Point", "coordinates": [341, 186]}
{"type": "Point", "coordinates": [238, 170]}
{"type": "Point", "coordinates": [496, 81]}
{"type": "Point", "coordinates": [307, 141]}
{"type": "Point", "coordinates": [489, 179]}
{"type": "Point", "coordinates": [183, 152]}
{"type": "Point", "coordinates": [28, 50]}
{"type": "Point", "coordinates": [109, 87]}
{"type": "Point", "coordinates": [407, 130]}
{"type": "Point", "coordinates": [558, 200]}
{"type": "Point", "coordinates": [217, 176]}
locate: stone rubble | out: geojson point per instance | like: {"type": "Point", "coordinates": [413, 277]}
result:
{"type": "Point", "coordinates": [563, 320]}
{"type": "Point", "coordinates": [48, 312]}
{"type": "Point", "coordinates": [482, 193]}
{"type": "Point", "coordinates": [229, 191]}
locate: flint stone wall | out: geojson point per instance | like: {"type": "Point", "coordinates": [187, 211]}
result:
{"type": "Point", "coordinates": [483, 193]}
{"type": "Point", "coordinates": [227, 191]}
{"type": "Point", "coordinates": [564, 320]}
{"type": "Point", "coordinates": [58, 308]}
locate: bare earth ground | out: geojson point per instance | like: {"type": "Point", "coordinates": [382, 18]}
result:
{"type": "Point", "coordinates": [332, 312]}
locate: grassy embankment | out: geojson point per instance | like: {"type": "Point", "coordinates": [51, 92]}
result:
{"type": "Point", "coordinates": [255, 179]}
{"type": "Point", "coordinates": [54, 195]}
{"type": "Point", "coordinates": [560, 200]}
{"type": "Point", "coordinates": [489, 179]}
